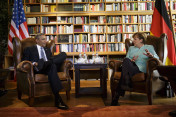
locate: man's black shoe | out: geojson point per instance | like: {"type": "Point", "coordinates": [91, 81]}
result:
{"type": "Point", "coordinates": [115, 103]}
{"type": "Point", "coordinates": [172, 113]}
{"type": "Point", "coordinates": [61, 105]}
{"type": "Point", "coordinates": [3, 92]}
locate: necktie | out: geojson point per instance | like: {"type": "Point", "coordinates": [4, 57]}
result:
{"type": "Point", "coordinates": [42, 54]}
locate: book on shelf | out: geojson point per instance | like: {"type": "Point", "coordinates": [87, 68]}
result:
{"type": "Point", "coordinates": [64, 39]}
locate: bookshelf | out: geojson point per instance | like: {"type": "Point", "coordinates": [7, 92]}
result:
{"type": "Point", "coordinates": [91, 26]}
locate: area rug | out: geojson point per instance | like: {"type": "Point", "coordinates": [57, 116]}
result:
{"type": "Point", "coordinates": [107, 111]}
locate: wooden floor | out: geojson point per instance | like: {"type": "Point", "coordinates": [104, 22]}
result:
{"type": "Point", "coordinates": [10, 99]}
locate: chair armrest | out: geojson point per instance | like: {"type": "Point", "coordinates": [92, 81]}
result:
{"type": "Point", "coordinates": [27, 67]}
{"type": "Point", "coordinates": [151, 66]}
{"type": "Point", "coordinates": [115, 64]}
{"type": "Point", "coordinates": [66, 67]}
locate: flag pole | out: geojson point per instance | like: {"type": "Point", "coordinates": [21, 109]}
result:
{"type": "Point", "coordinates": [170, 14]}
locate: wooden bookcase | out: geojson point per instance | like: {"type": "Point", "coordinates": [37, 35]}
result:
{"type": "Point", "coordinates": [90, 26]}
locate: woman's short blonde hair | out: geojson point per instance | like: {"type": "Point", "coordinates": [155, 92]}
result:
{"type": "Point", "coordinates": [141, 35]}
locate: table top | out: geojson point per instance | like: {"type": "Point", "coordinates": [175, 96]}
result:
{"type": "Point", "coordinates": [167, 70]}
{"type": "Point", "coordinates": [89, 65]}
{"type": "Point", "coordinates": [4, 73]}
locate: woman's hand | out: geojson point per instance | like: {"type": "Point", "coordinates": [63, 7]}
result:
{"type": "Point", "coordinates": [148, 54]}
{"type": "Point", "coordinates": [134, 58]}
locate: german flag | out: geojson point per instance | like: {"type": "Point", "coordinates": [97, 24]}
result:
{"type": "Point", "coordinates": [161, 24]}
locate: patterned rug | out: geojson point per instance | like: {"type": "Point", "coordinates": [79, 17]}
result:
{"type": "Point", "coordinates": [107, 111]}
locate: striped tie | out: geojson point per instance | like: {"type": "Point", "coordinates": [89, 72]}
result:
{"type": "Point", "coordinates": [42, 54]}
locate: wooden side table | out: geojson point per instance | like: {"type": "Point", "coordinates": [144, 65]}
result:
{"type": "Point", "coordinates": [91, 90]}
{"type": "Point", "coordinates": [3, 76]}
{"type": "Point", "coordinates": [170, 73]}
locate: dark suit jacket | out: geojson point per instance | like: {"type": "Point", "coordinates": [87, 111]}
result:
{"type": "Point", "coordinates": [31, 53]}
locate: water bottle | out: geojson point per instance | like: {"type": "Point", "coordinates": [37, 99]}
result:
{"type": "Point", "coordinates": [167, 90]}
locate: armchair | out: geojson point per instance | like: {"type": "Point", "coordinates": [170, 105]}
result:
{"type": "Point", "coordinates": [142, 82]}
{"type": "Point", "coordinates": [36, 84]}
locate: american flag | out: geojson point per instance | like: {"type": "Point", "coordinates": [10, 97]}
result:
{"type": "Point", "coordinates": [18, 26]}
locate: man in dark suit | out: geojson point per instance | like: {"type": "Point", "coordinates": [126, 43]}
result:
{"type": "Point", "coordinates": [45, 63]}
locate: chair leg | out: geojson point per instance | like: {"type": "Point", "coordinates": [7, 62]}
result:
{"type": "Point", "coordinates": [112, 93]}
{"type": "Point", "coordinates": [19, 94]}
{"type": "Point", "coordinates": [31, 101]}
{"type": "Point", "coordinates": [68, 95]}
{"type": "Point", "coordinates": [150, 98]}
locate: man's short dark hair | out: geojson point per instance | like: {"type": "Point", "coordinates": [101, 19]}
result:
{"type": "Point", "coordinates": [141, 35]}
{"type": "Point", "coordinates": [39, 35]}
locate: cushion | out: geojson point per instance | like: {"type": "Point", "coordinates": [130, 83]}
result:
{"type": "Point", "coordinates": [136, 78]}
{"type": "Point", "coordinates": [117, 75]}
{"type": "Point", "coordinates": [44, 78]}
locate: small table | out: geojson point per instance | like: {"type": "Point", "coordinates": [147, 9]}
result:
{"type": "Point", "coordinates": [170, 73]}
{"type": "Point", "coordinates": [3, 76]}
{"type": "Point", "coordinates": [86, 90]}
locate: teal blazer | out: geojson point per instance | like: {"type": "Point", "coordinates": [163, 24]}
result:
{"type": "Point", "coordinates": [141, 61]}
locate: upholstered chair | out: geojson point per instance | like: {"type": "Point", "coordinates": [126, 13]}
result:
{"type": "Point", "coordinates": [142, 82]}
{"type": "Point", "coordinates": [36, 84]}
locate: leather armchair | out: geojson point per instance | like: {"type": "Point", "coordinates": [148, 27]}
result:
{"type": "Point", "coordinates": [36, 84]}
{"type": "Point", "coordinates": [142, 82]}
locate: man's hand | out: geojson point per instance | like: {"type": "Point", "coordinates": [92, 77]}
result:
{"type": "Point", "coordinates": [134, 58]}
{"type": "Point", "coordinates": [148, 54]}
{"type": "Point", "coordinates": [35, 66]}
{"type": "Point", "coordinates": [35, 63]}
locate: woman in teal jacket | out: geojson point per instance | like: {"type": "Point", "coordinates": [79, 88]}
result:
{"type": "Point", "coordinates": [135, 62]}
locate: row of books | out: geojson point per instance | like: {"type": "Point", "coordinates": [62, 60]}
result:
{"type": "Point", "coordinates": [97, 29]}
{"type": "Point", "coordinates": [49, 29]}
{"type": "Point", "coordinates": [81, 28]}
{"type": "Point", "coordinates": [50, 37]}
{"type": "Point", "coordinates": [81, 7]}
{"type": "Point", "coordinates": [144, 27]}
{"type": "Point", "coordinates": [54, 1]}
{"type": "Point", "coordinates": [129, 6]}
{"type": "Point", "coordinates": [48, 1]}
{"type": "Point", "coordinates": [32, 8]}
{"type": "Point", "coordinates": [65, 29]}
{"type": "Point", "coordinates": [64, 39]}
{"type": "Point", "coordinates": [114, 19]}
{"type": "Point", "coordinates": [146, 6]}
{"type": "Point", "coordinates": [98, 19]}
{"type": "Point", "coordinates": [114, 38]}
{"type": "Point", "coordinates": [64, 48]}
{"type": "Point", "coordinates": [173, 5]}
{"type": "Point", "coordinates": [145, 19]}
{"type": "Point", "coordinates": [130, 28]}
{"type": "Point", "coordinates": [98, 47]}
{"type": "Point", "coordinates": [97, 7]}
{"type": "Point", "coordinates": [130, 19]}
{"type": "Point", "coordinates": [114, 28]}
{"type": "Point", "coordinates": [48, 8]}
{"type": "Point", "coordinates": [113, 7]}
{"type": "Point", "coordinates": [33, 20]}
{"type": "Point", "coordinates": [66, 19]}
{"type": "Point", "coordinates": [93, 7]}
{"type": "Point", "coordinates": [81, 38]}
{"type": "Point", "coordinates": [48, 20]}
{"type": "Point", "coordinates": [32, 1]}
{"type": "Point", "coordinates": [81, 20]}
{"type": "Point", "coordinates": [33, 29]}
{"type": "Point", "coordinates": [85, 19]}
